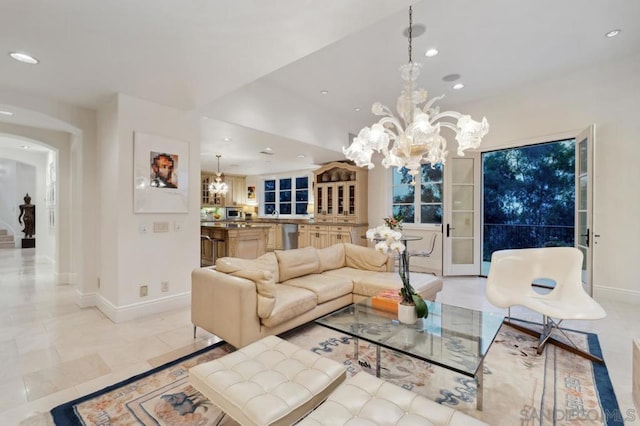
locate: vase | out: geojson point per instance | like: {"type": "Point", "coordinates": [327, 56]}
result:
{"type": "Point", "coordinates": [407, 314]}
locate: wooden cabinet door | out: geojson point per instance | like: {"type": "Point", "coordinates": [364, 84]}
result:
{"type": "Point", "coordinates": [303, 236]}
{"type": "Point", "coordinates": [271, 240]}
{"type": "Point", "coordinates": [340, 234]}
{"type": "Point", "coordinates": [318, 236]}
{"type": "Point", "coordinates": [325, 202]}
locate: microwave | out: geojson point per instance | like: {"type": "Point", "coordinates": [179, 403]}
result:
{"type": "Point", "coordinates": [234, 213]}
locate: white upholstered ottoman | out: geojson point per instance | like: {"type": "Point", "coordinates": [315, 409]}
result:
{"type": "Point", "coordinates": [269, 382]}
{"type": "Point", "coordinates": [367, 400]}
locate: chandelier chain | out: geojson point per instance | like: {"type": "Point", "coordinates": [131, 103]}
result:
{"type": "Point", "coordinates": [410, 29]}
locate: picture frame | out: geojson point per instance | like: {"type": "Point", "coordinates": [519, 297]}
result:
{"type": "Point", "coordinates": [161, 174]}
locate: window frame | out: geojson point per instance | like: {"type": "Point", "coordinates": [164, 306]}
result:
{"type": "Point", "coordinates": [417, 204]}
{"type": "Point", "coordinates": [294, 190]}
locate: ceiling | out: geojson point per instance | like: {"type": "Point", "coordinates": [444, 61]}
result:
{"type": "Point", "coordinates": [197, 55]}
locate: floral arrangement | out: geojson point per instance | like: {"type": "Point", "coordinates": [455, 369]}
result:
{"type": "Point", "coordinates": [389, 240]}
{"type": "Point", "coordinates": [394, 222]}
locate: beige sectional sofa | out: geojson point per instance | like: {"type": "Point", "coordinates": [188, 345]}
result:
{"type": "Point", "coordinates": [243, 300]}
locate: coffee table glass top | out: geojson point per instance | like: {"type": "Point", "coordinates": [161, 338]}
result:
{"type": "Point", "coordinates": [452, 337]}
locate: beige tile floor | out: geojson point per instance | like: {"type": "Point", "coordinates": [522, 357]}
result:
{"type": "Point", "coordinates": [51, 351]}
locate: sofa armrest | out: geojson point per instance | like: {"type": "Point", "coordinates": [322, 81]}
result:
{"type": "Point", "coordinates": [225, 306]}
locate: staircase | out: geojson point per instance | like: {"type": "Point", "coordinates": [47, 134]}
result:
{"type": "Point", "coordinates": [6, 240]}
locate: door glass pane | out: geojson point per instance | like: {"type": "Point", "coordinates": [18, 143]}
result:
{"type": "Point", "coordinates": [462, 224]}
{"type": "Point", "coordinates": [582, 195]}
{"type": "Point", "coordinates": [462, 252]}
{"type": "Point", "coordinates": [582, 157]}
{"type": "Point", "coordinates": [463, 197]}
{"type": "Point", "coordinates": [582, 223]}
{"type": "Point", "coordinates": [463, 171]}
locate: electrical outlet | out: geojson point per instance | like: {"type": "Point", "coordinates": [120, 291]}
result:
{"type": "Point", "coordinates": [164, 286]}
{"type": "Point", "coordinates": [142, 228]}
{"type": "Point", "coordinates": [144, 290]}
{"type": "Point", "coordinates": [177, 227]}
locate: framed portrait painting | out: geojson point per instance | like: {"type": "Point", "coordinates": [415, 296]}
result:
{"type": "Point", "coordinates": [161, 174]}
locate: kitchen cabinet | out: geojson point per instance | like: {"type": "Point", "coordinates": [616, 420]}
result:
{"type": "Point", "coordinates": [340, 193]}
{"type": "Point", "coordinates": [313, 236]}
{"type": "Point", "coordinates": [321, 236]}
{"type": "Point", "coordinates": [235, 196]}
{"type": "Point", "coordinates": [274, 242]}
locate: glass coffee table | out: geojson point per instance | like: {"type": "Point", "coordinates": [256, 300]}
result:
{"type": "Point", "coordinates": [451, 337]}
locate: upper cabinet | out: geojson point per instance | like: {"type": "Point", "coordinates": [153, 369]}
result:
{"type": "Point", "coordinates": [340, 193]}
{"type": "Point", "coordinates": [235, 196]}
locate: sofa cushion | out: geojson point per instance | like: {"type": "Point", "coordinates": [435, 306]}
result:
{"type": "Point", "coordinates": [325, 288]}
{"type": "Point", "coordinates": [267, 262]}
{"type": "Point", "coordinates": [364, 258]}
{"type": "Point", "coordinates": [265, 286]}
{"type": "Point", "coordinates": [331, 257]}
{"type": "Point", "coordinates": [369, 283]}
{"type": "Point", "coordinates": [297, 262]}
{"type": "Point", "coordinates": [290, 303]}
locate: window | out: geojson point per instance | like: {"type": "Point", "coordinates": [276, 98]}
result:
{"type": "Point", "coordinates": [285, 197]}
{"type": "Point", "coordinates": [423, 206]}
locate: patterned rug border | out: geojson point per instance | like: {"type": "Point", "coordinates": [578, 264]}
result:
{"type": "Point", "coordinates": [64, 414]}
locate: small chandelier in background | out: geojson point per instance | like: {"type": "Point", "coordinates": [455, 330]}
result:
{"type": "Point", "coordinates": [419, 139]}
{"type": "Point", "coordinates": [218, 187]}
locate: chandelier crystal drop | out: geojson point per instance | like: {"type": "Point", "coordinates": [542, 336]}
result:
{"type": "Point", "coordinates": [414, 138]}
{"type": "Point", "coordinates": [218, 187]}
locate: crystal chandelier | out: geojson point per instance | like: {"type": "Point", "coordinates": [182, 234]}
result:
{"type": "Point", "coordinates": [218, 187]}
{"type": "Point", "coordinates": [415, 139]}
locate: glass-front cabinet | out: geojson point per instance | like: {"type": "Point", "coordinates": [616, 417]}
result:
{"type": "Point", "coordinates": [341, 193]}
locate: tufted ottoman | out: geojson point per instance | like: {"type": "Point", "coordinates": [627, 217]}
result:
{"type": "Point", "coordinates": [367, 400]}
{"type": "Point", "coordinates": [269, 382]}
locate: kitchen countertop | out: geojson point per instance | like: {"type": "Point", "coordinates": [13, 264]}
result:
{"type": "Point", "coordinates": [230, 225]}
{"type": "Point", "coordinates": [255, 222]}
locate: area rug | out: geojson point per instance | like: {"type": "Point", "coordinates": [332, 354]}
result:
{"type": "Point", "coordinates": [520, 387]}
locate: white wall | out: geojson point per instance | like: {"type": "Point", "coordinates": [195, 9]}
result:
{"type": "Point", "coordinates": [609, 96]}
{"type": "Point", "coordinates": [272, 110]}
{"type": "Point", "coordinates": [130, 258]}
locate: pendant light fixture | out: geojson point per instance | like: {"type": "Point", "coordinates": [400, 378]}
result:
{"type": "Point", "coordinates": [414, 138]}
{"type": "Point", "coordinates": [218, 187]}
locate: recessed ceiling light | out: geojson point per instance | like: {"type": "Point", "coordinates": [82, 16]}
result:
{"type": "Point", "coordinates": [300, 155]}
{"type": "Point", "coordinates": [324, 92]}
{"type": "Point", "coordinates": [227, 139]}
{"type": "Point", "coordinates": [25, 147]}
{"type": "Point", "coordinates": [613, 33]}
{"type": "Point", "coordinates": [23, 57]}
{"type": "Point", "coordinates": [268, 149]}
{"type": "Point", "coordinates": [356, 109]}
{"type": "Point", "coordinates": [7, 113]}
{"type": "Point", "coordinates": [431, 53]}
{"type": "Point", "coordinates": [458, 86]}
{"type": "Point", "coordinates": [451, 77]}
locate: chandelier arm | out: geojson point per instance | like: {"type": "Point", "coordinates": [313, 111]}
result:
{"type": "Point", "coordinates": [449, 126]}
{"type": "Point", "coordinates": [428, 105]}
{"type": "Point", "coordinates": [395, 123]}
{"type": "Point", "coordinates": [446, 114]}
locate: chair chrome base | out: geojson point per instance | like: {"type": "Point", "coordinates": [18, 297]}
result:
{"type": "Point", "coordinates": [545, 337]}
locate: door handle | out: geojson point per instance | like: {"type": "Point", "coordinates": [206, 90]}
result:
{"type": "Point", "coordinates": [586, 235]}
{"type": "Point", "coordinates": [449, 228]}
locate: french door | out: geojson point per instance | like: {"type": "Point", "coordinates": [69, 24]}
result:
{"type": "Point", "coordinates": [461, 216]}
{"type": "Point", "coordinates": [584, 235]}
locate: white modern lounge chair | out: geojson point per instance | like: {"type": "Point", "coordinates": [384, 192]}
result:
{"type": "Point", "coordinates": [510, 283]}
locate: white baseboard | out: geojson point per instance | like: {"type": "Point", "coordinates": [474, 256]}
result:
{"type": "Point", "coordinates": [631, 297]}
{"type": "Point", "coordinates": [86, 300]}
{"type": "Point", "coordinates": [142, 309]}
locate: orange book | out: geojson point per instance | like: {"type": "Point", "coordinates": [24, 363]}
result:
{"type": "Point", "coordinates": [387, 300]}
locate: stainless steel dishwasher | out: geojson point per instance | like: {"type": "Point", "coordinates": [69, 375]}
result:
{"type": "Point", "coordinates": [289, 236]}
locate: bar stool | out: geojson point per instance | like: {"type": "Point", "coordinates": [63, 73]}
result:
{"type": "Point", "coordinates": [208, 245]}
